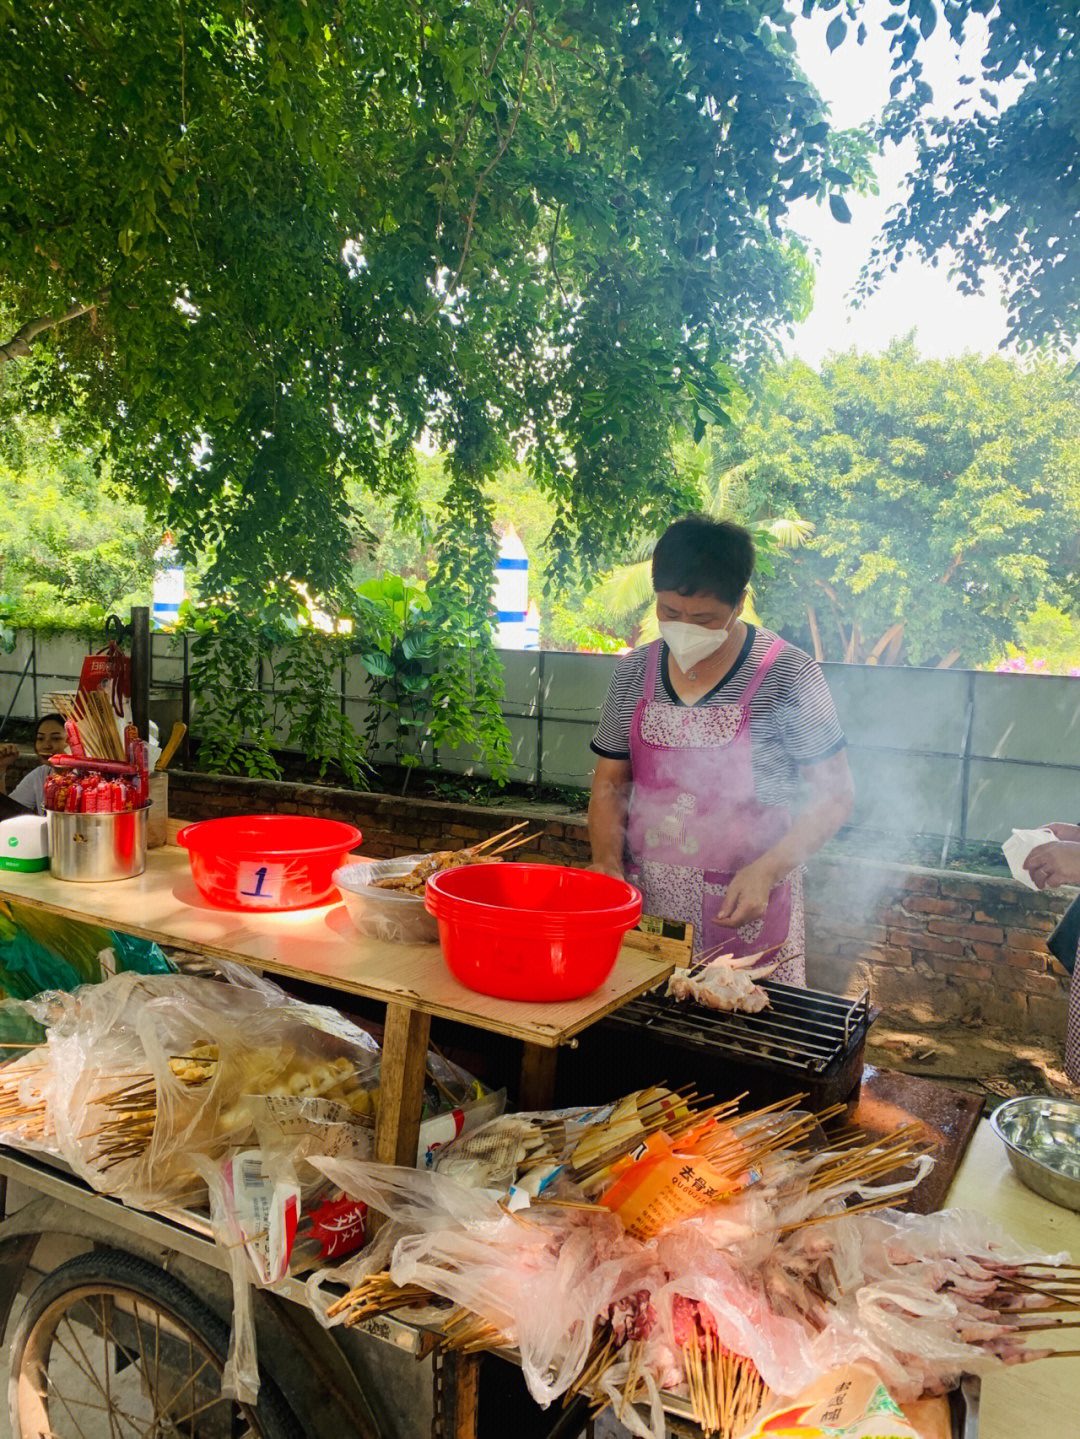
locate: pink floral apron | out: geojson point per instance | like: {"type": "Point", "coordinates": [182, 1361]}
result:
{"type": "Point", "coordinates": [695, 820]}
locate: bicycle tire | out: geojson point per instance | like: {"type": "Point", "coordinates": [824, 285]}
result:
{"type": "Point", "coordinates": [113, 1273]}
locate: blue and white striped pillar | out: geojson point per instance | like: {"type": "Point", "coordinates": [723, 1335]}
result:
{"type": "Point", "coordinates": [168, 593]}
{"type": "Point", "coordinates": [511, 592]}
{"type": "Point", "coordinates": [532, 626]}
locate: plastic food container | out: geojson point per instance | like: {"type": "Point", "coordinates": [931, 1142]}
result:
{"type": "Point", "coordinates": [386, 913]}
{"type": "Point", "coordinates": [90, 848]}
{"type": "Point", "coordinates": [267, 861]}
{"type": "Point", "coordinates": [531, 931]}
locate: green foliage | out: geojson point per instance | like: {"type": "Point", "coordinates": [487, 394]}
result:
{"type": "Point", "coordinates": [994, 183]}
{"type": "Point", "coordinates": [945, 498]}
{"type": "Point", "coordinates": [399, 662]}
{"type": "Point", "coordinates": [264, 674]}
{"type": "Point", "coordinates": [308, 694]}
{"type": "Point", "coordinates": [228, 653]}
{"type": "Point", "coordinates": [1051, 638]}
{"type": "Point", "coordinates": [273, 245]}
{"type": "Point", "coordinates": [71, 548]}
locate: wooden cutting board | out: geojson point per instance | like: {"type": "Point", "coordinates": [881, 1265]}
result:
{"type": "Point", "coordinates": [889, 1099]}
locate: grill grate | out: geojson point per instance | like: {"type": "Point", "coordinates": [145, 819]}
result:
{"type": "Point", "coordinates": [803, 1031]}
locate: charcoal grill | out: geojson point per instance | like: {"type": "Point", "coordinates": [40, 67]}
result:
{"type": "Point", "coordinates": [805, 1041]}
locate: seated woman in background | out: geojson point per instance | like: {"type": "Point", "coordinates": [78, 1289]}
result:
{"type": "Point", "coordinates": [49, 738]}
{"type": "Point", "coordinates": [1051, 866]}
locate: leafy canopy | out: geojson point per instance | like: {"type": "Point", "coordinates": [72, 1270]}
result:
{"type": "Point", "coordinates": [272, 244]}
{"type": "Point", "coordinates": [945, 497]}
{"type": "Point", "coordinates": [996, 182]}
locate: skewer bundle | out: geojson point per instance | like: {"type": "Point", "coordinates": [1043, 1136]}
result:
{"type": "Point", "coordinates": [483, 853]}
{"type": "Point", "coordinates": [22, 1103]}
{"type": "Point", "coordinates": [726, 1391]}
{"type": "Point", "coordinates": [132, 1112]}
{"type": "Point", "coordinates": [93, 716]}
{"type": "Point", "coordinates": [377, 1294]}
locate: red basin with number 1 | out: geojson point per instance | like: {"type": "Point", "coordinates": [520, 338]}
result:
{"type": "Point", "coordinates": [531, 931]}
{"type": "Point", "coordinates": [267, 861]}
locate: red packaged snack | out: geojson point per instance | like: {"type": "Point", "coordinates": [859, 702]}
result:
{"type": "Point", "coordinates": [74, 797]}
{"type": "Point", "coordinates": [74, 739]}
{"type": "Point", "coordinates": [116, 796]}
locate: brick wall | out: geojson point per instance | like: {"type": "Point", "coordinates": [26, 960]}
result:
{"type": "Point", "coordinates": [930, 945]}
{"type": "Point", "coordinates": [391, 824]}
{"type": "Point", "coordinates": [936, 944]}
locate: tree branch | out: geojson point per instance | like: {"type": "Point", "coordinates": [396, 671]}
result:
{"type": "Point", "coordinates": [554, 237]}
{"type": "Point", "coordinates": [19, 344]}
{"type": "Point", "coordinates": [499, 153]}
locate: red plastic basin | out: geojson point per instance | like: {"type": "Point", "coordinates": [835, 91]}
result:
{"type": "Point", "coordinates": [531, 931]}
{"type": "Point", "coordinates": [267, 861]}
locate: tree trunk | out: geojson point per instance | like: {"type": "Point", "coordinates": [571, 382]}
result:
{"type": "Point", "coordinates": [815, 634]}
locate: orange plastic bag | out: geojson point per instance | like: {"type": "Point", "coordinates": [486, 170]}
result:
{"type": "Point", "coordinates": [656, 1186]}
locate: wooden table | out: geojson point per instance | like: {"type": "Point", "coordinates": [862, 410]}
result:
{"type": "Point", "coordinates": [1028, 1401]}
{"type": "Point", "coordinates": [321, 946]}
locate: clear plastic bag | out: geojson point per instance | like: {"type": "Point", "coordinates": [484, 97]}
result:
{"type": "Point", "coordinates": [386, 913]}
{"type": "Point", "coordinates": [154, 1073]}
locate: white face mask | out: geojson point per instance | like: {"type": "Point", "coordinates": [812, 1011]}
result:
{"type": "Point", "coordinates": [690, 644]}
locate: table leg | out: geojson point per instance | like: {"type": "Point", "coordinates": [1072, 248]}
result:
{"type": "Point", "coordinates": [537, 1089]}
{"type": "Point", "coordinates": [401, 1087]}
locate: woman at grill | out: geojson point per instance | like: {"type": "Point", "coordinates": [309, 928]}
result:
{"type": "Point", "coordinates": [720, 761]}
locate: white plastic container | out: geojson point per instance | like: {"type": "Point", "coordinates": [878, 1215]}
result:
{"type": "Point", "coordinates": [386, 913]}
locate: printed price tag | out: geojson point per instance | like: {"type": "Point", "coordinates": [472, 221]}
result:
{"type": "Point", "coordinates": [259, 883]}
{"type": "Point", "coordinates": [264, 1213]}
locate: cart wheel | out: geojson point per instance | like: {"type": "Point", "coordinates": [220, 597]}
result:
{"type": "Point", "coordinates": [108, 1345]}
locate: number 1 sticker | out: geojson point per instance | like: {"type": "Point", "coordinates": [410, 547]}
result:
{"type": "Point", "coordinates": [259, 884]}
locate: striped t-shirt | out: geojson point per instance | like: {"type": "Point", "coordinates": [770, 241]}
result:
{"type": "Point", "coordinates": [792, 717]}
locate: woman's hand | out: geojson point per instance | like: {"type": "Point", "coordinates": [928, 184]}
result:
{"type": "Point", "coordinates": [8, 752]}
{"type": "Point", "coordinates": [1054, 864]}
{"type": "Point", "coordinates": [1070, 832]}
{"type": "Point", "coordinates": [747, 895]}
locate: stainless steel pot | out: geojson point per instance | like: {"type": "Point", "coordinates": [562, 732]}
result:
{"type": "Point", "coordinates": [90, 848]}
{"type": "Point", "coordinates": [1042, 1138]}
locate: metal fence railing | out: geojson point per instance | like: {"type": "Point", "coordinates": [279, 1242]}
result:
{"type": "Point", "coordinates": [960, 754]}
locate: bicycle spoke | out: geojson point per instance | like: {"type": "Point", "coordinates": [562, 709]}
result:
{"type": "Point", "coordinates": [86, 1367]}
{"type": "Point", "coordinates": [144, 1374]}
{"type": "Point", "coordinates": [109, 1406]}
{"type": "Point", "coordinates": [189, 1381]}
{"type": "Point", "coordinates": [105, 1361]}
{"type": "Point", "coordinates": [86, 1404]}
{"type": "Point", "coordinates": [210, 1403]}
{"type": "Point", "coordinates": [67, 1406]}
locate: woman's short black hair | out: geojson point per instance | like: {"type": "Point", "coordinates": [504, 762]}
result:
{"type": "Point", "coordinates": [698, 555]}
{"type": "Point", "coordinates": [44, 719]}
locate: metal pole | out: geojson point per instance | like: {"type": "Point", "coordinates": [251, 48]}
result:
{"type": "Point", "coordinates": [539, 720]}
{"type": "Point", "coordinates": [140, 669]}
{"type": "Point", "coordinates": [15, 696]}
{"type": "Point", "coordinates": [185, 705]}
{"type": "Point", "coordinates": [969, 730]}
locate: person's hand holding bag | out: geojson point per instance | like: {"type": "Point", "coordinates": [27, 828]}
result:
{"type": "Point", "coordinates": [1055, 864]}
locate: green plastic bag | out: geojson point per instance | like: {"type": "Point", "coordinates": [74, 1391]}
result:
{"type": "Point", "coordinates": [40, 951]}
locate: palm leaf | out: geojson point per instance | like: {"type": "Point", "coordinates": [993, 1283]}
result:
{"type": "Point", "coordinates": [789, 534]}
{"type": "Point", "coordinates": [626, 590]}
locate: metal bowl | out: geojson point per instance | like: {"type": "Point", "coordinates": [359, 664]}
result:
{"type": "Point", "coordinates": [1042, 1137]}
